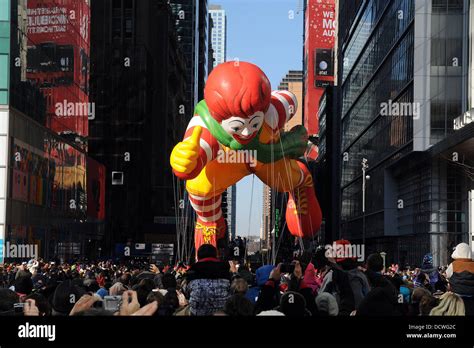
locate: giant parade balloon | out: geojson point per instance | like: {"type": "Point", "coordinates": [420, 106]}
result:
{"type": "Point", "coordinates": [238, 130]}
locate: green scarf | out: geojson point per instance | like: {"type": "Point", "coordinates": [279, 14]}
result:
{"type": "Point", "coordinates": [292, 144]}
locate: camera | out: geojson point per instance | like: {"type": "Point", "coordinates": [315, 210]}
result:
{"type": "Point", "coordinates": [18, 307]}
{"type": "Point", "coordinates": [112, 303]}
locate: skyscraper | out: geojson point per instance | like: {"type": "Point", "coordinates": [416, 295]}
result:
{"type": "Point", "coordinates": [404, 76]}
{"type": "Point", "coordinates": [139, 87]}
{"type": "Point", "coordinates": [219, 33]}
{"type": "Point", "coordinates": [191, 26]}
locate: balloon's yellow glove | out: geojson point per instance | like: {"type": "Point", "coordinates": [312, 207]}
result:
{"type": "Point", "coordinates": [184, 157]}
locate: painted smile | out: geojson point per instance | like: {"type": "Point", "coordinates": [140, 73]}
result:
{"type": "Point", "coordinates": [244, 139]}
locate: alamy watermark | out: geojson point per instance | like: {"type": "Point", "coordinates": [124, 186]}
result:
{"type": "Point", "coordinates": [19, 251]}
{"type": "Point", "coordinates": [76, 109]}
{"type": "Point", "coordinates": [28, 330]}
{"type": "Point", "coordinates": [345, 251]}
{"type": "Point", "coordinates": [391, 108]}
{"type": "Point", "coordinates": [238, 156]}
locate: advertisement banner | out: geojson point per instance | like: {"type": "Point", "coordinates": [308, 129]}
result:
{"type": "Point", "coordinates": [58, 60]}
{"type": "Point", "coordinates": [320, 35]}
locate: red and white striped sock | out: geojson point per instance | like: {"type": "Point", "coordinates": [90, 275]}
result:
{"type": "Point", "coordinates": [209, 210]}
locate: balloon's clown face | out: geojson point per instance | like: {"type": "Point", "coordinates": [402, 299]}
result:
{"type": "Point", "coordinates": [243, 129]}
{"type": "Point", "coordinates": [238, 96]}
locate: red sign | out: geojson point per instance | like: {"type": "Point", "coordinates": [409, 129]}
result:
{"type": "Point", "coordinates": [58, 60]}
{"type": "Point", "coordinates": [320, 35]}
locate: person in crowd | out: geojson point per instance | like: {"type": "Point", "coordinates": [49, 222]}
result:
{"type": "Point", "coordinates": [450, 304]}
{"type": "Point", "coordinates": [293, 304]}
{"type": "Point", "coordinates": [357, 279]}
{"type": "Point", "coordinates": [261, 276]}
{"type": "Point", "coordinates": [64, 298]}
{"type": "Point", "coordinates": [429, 276]}
{"type": "Point", "coordinates": [416, 296]}
{"type": "Point", "coordinates": [327, 304]}
{"type": "Point", "coordinates": [335, 281]}
{"type": "Point", "coordinates": [378, 302]}
{"type": "Point", "coordinates": [8, 298]}
{"type": "Point", "coordinates": [427, 303]}
{"type": "Point", "coordinates": [208, 282]}
{"type": "Point", "coordinates": [460, 274]}
{"type": "Point", "coordinates": [239, 306]}
{"type": "Point", "coordinates": [239, 286]}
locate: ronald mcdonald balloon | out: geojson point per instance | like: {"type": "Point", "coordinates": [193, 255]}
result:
{"type": "Point", "coordinates": [237, 130]}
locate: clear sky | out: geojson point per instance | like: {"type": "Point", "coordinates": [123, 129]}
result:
{"type": "Point", "coordinates": [268, 33]}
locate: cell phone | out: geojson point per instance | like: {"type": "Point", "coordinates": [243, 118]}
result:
{"type": "Point", "coordinates": [18, 307]}
{"type": "Point", "coordinates": [287, 268]}
{"type": "Point", "coordinates": [112, 303]}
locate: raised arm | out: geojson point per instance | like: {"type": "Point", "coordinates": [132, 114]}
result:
{"type": "Point", "coordinates": [197, 149]}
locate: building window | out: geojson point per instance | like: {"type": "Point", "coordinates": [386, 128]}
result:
{"type": "Point", "coordinates": [4, 10]}
{"type": "Point", "coordinates": [3, 71]}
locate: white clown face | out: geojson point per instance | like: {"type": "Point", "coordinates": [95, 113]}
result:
{"type": "Point", "coordinates": [243, 129]}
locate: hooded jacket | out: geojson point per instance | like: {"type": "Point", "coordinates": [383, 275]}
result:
{"type": "Point", "coordinates": [261, 276]}
{"type": "Point", "coordinates": [208, 286]}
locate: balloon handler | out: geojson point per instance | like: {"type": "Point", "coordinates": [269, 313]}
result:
{"type": "Point", "coordinates": [239, 119]}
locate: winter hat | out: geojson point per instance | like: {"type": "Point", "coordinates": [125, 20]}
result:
{"type": "Point", "coordinates": [270, 313]}
{"type": "Point", "coordinates": [462, 251]}
{"type": "Point", "coordinates": [65, 296]}
{"type": "Point", "coordinates": [293, 304]}
{"type": "Point", "coordinates": [326, 302]}
{"type": "Point", "coordinates": [263, 273]}
{"type": "Point", "coordinates": [343, 244]}
{"type": "Point", "coordinates": [23, 285]}
{"type": "Point", "coordinates": [427, 261]}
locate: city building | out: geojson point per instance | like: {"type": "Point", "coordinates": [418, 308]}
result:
{"type": "Point", "coordinates": [219, 33]}
{"type": "Point", "coordinates": [192, 33]}
{"type": "Point", "coordinates": [139, 85]}
{"type": "Point", "coordinates": [293, 82]}
{"type": "Point", "coordinates": [51, 193]}
{"type": "Point", "coordinates": [326, 169]}
{"type": "Point", "coordinates": [406, 99]}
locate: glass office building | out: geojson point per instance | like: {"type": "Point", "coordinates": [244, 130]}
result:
{"type": "Point", "coordinates": [404, 77]}
{"type": "Point", "coordinates": [45, 186]}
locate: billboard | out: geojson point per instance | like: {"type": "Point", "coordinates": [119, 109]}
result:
{"type": "Point", "coordinates": [58, 35]}
{"type": "Point", "coordinates": [320, 35]}
{"type": "Point", "coordinates": [53, 178]}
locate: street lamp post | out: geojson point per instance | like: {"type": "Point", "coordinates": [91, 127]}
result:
{"type": "Point", "coordinates": [365, 177]}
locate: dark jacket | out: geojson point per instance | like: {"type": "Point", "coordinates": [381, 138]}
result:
{"type": "Point", "coordinates": [378, 302]}
{"type": "Point", "coordinates": [359, 285]}
{"type": "Point", "coordinates": [462, 279]}
{"type": "Point", "coordinates": [208, 286]}
{"type": "Point", "coordinates": [337, 283]}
